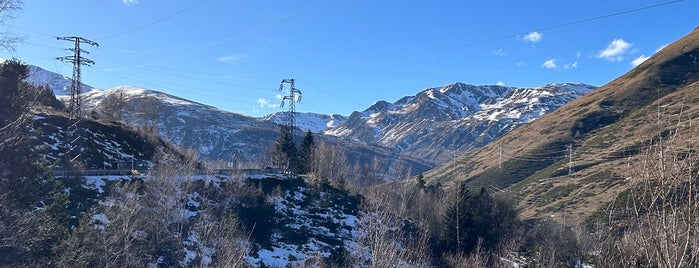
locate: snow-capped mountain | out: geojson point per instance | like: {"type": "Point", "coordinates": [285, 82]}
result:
{"type": "Point", "coordinates": [59, 84]}
{"type": "Point", "coordinates": [439, 122]}
{"type": "Point", "coordinates": [427, 128]}
{"type": "Point", "coordinates": [316, 123]}
{"type": "Point", "coordinates": [216, 134]}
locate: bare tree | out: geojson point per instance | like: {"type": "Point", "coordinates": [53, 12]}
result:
{"type": "Point", "coordinates": [659, 213]}
{"type": "Point", "coordinates": [223, 236]}
{"type": "Point", "coordinates": [150, 110]}
{"type": "Point", "coordinates": [329, 163]}
{"type": "Point", "coordinates": [113, 105]}
{"type": "Point", "coordinates": [386, 240]}
{"type": "Point", "coordinates": [7, 10]}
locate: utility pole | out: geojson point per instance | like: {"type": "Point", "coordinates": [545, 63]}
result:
{"type": "Point", "coordinates": [570, 159]}
{"type": "Point", "coordinates": [293, 97]}
{"type": "Point", "coordinates": [500, 150]}
{"type": "Point", "coordinates": [77, 60]}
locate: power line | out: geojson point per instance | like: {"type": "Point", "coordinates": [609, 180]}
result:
{"type": "Point", "coordinates": [154, 22]}
{"type": "Point", "coordinates": [541, 29]}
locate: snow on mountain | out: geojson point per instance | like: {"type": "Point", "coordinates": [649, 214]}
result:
{"type": "Point", "coordinates": [214, 133]}
{"type": "Point", "coordinates": [428, 127]}
{"type": "Point", "coordinates": [221, 135]}
{"type": "Point", "coordinates": [316, 123]}
{"type": "Point", "coordinates": [59, 84]}
{"type": "Point", "coordinates": [438, 122]}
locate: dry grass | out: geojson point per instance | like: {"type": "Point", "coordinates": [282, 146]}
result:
{"type": "Point", "coordinates": [608, 127]}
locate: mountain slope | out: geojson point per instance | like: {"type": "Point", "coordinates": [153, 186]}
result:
{"type": "Point", "coordinates": [59, 84]}
{"type": "Point", "coordinates": [220, 135]}
{"type": "Point", "coordinates": [101, 145]}
{"type": "Point", "coordinates": [439, 122]}
{"type": "Point", "coordinates": [603, 132]}
{"type": "Point", "coordinates": [316, 123]}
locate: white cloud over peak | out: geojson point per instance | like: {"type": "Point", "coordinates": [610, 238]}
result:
{"type": "Point", "coordinates": [264, 103]}
{"type": "Point", "coordinates": [549, 64]}
{"type": "Point", "coordinates": [615, 50]}
{"type": "Point", "coordinates": [639, 60]}
{"type": "Point", "coordinates": [533, 37]}
{"type": "Point", "coordinates": [500, 83]}
{"type": "Point", "coordinates": [661, 48]}
{"type": "Point", "coordinates": [129, 2]}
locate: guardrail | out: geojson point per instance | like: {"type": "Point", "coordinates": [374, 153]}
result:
{"type": "Point", "coordinates": [99, 172]}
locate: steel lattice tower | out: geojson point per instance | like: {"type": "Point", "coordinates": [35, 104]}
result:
{"type": "Point", "coordinates": [73, 136]}
{"type": "Point", "coordinates": [293, 97]}
{"type": "Point", "coordinates": [77, 60]}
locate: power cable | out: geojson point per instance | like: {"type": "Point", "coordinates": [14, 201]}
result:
{"type": "Point", "coordinates": [154, 22]}
{"type": "Point", "coordinates": [541, 29]}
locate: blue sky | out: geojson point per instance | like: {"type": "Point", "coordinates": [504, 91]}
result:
{"type": "Point", "coordinates": [345, 55]}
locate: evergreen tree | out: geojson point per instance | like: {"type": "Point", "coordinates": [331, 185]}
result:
{"type": "Point", "coordinates": [473, 217]}
{"type": "Point", "coordinates": [306, 153]}
{"type": "Point", "coordinates": [285, 153]}
{"type": "Point", "coordinates": [453, 233]}
{"type": "Point", "coordinates": [45, 97]}
{"type": "Point", "coordinates": [15, 95]}
{"type": "Point", "coordinates": [421, 181]}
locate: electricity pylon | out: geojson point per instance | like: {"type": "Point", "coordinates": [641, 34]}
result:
{"type": "Point", "coordinates": [293, 97]}
{"type": "Point", "coordinates": [77, 60]}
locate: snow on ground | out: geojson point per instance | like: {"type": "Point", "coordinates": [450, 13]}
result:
{"type": "Point", "coordinates": [97, 182]}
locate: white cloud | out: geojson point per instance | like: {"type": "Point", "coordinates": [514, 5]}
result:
{"type": "Point", "coordinates": [500, 83]}
{"type": "Point", "coordinates": [639, 60]}
{"type": "Point", "coordinates": [264, 103]}
{"type": "Point", "coordinates": [522, 64]}
{"type": "Point", "coordinates": [549, 64]}
{"type": "Point", "coordinates": [661, 48]}
{"type": "Point", "coordinates": [578, 55]}
{"type": "Point", "coordinates": [231, 58]}
{"type": "Point", "coordinates": [615, 50]}
{"type": "Point", "coordinates": [129, 2]}
{"type": "Point", "coordinates": [500, 52]}
{"type": "Point", "coordinates": [533, 37]}
{"type": "Point", "coordinates": [571, 65]}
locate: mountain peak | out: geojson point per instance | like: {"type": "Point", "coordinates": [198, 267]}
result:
{"type": "Point", "coordinates": [59, 84]}
{"type": "Point", "coordinates": [440, 120]}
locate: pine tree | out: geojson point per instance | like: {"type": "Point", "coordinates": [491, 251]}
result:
{"type": "Point", "coordinates": [421, 181]}
{"type": "Point", "coordinates": [453, 234]}
{"type": "Point", "coordinates": [306, 153]}
{"type": "Point", "coordinates": [285, 152]}
{"type": "Point", "coordinates": [15, 94]}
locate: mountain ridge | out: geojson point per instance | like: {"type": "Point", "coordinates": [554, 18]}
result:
{"type": "Point", "coordinates": [456, 114]}
{"type": "Point", "coordinates": [424, 129]}
{"type": "Point", "coordinates": [579, 155]}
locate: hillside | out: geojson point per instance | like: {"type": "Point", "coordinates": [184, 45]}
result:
{"type": "Point", "coordinates": [60, 84]}
{"type": "Point", "coordinates": [316, 123]}
{"type": "Point", "coordinates": [604, 131]}
{"type": "Point", "coordinates": [102, 145]}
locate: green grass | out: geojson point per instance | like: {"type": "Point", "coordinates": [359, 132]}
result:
{"type": "Point", "coordinates": [516, 170]}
